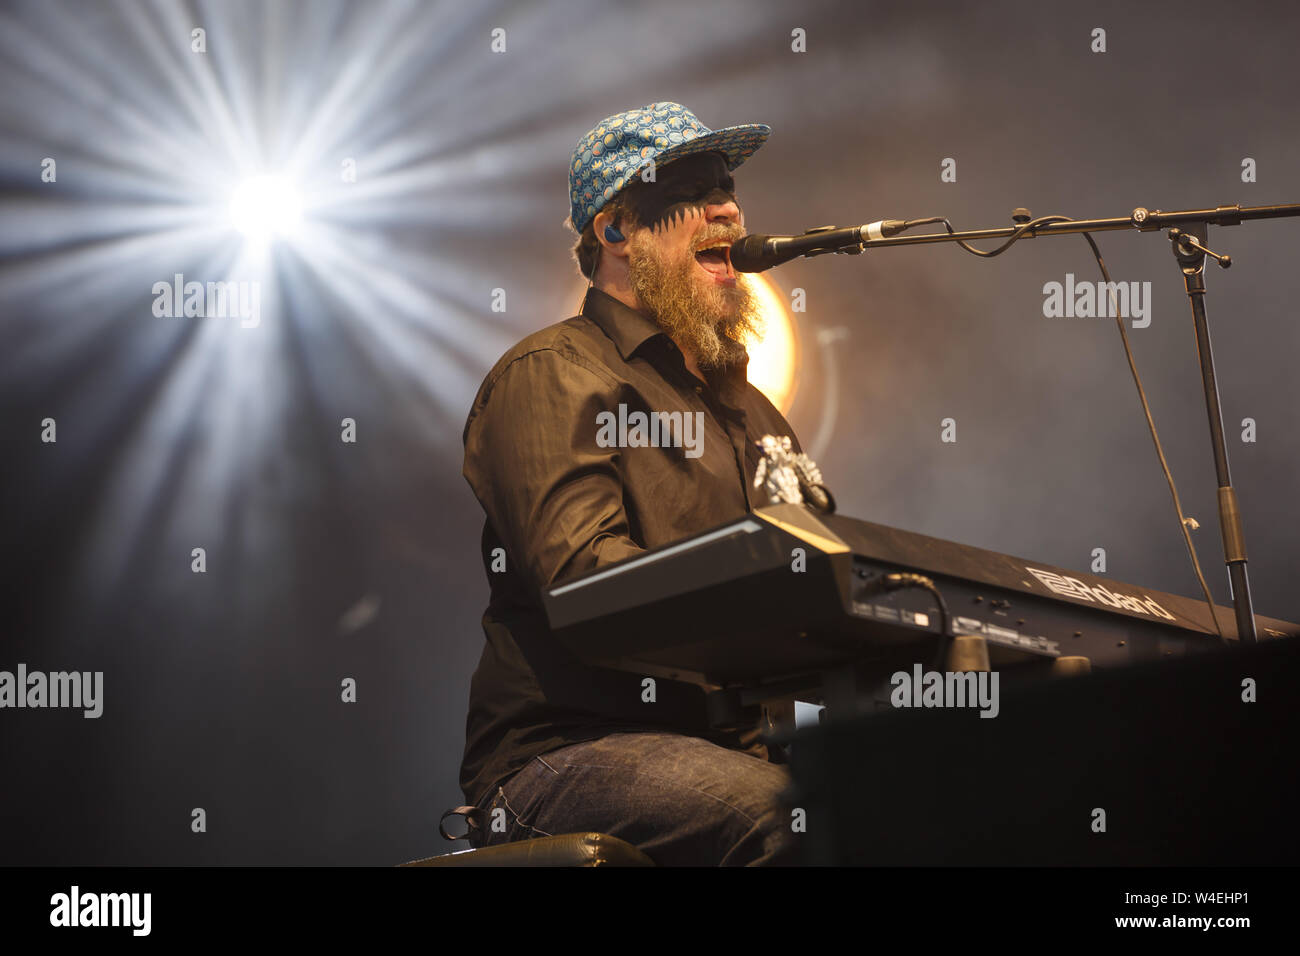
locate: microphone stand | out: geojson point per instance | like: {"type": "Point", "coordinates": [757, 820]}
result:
{"type": "Point", "coordinates": [1188, 235]}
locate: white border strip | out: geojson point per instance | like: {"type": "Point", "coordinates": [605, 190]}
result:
{"type": "Point", "coordinates": [749, 526]}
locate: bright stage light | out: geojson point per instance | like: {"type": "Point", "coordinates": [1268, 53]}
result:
{"type": "Point", "coordinates": [266, 207]}
{"type": "Point", "coordinates": [774, 359]}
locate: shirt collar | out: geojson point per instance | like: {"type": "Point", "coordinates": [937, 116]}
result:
{"type": "Point", "coordinates": [630, 329]}
{"type": "Point", "coordinates": [731, 381]}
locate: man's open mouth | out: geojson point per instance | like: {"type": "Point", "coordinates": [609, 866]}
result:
{"type": "Point", "coordinates": [715, 259]}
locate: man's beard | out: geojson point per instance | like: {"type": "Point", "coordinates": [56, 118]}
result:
{"type": "Point", "coordinates": [703, 316]}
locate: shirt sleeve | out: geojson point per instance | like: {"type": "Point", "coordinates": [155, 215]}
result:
{"type": "Point", "coordinates": [552, 494]}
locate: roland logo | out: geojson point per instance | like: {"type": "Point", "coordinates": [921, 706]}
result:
{"type": "Point", "coordinates": [1074, 588]}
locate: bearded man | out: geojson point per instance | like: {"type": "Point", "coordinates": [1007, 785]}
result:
{"type": "Point", "coordinates": [558, 746]}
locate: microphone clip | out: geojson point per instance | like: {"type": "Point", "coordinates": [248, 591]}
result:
{"type": "Point", "coordinates": [840, 250]}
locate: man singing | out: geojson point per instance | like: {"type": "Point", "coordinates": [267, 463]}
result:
{"type": "Point", "coordinates": [559, 746]}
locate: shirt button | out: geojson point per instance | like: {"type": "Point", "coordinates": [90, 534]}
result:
{"type": "Point", "coordinates": [699, 389]}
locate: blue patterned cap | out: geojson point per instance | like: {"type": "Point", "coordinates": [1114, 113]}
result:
{"type": "Point", "coordinates": [607, 158]}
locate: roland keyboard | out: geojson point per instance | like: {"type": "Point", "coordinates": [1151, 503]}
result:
{"type": "Point", "coordinates": [780, 591]}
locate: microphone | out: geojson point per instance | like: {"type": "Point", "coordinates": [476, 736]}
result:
{"type": "Point", "coordinates": [754, 253]}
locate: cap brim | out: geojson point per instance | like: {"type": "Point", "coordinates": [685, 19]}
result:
{"type": "Point", "coordinates": [736, 143]}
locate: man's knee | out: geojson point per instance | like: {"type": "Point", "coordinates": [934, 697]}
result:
{"type": "Point", "coordinates": [682, 800]}
{"type": "Point", "coordinates": [769, 840]}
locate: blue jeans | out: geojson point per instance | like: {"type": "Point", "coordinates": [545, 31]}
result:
{"type": "Point", "coordinates": [682, 801]}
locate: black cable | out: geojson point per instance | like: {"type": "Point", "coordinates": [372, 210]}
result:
{"type": "Point", "coordinates": [1184, 523]}
{"type": "Point", "coordinates": [988, 254]}
{"type": "Point", "coordinates": [903, 580]}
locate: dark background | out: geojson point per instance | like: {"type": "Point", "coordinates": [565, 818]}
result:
{"type": "Point", "coordinates": [329, 560]}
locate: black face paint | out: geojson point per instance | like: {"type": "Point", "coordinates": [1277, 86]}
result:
{"type": "Point", "coordinates": [680, 188]}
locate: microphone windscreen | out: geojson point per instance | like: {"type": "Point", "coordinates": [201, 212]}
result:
{"type": "Point", "coordinates": [747, 255]}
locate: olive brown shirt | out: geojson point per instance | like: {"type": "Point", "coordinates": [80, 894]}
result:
{"type": "Point", "coordinates": [561, 499]}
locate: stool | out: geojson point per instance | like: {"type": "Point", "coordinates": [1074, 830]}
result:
{"type": "Point", "coordinates": [566, 849]}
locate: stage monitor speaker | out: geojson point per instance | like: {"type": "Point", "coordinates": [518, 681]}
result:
{"type": "Point", "coordinates": [1186, 762]}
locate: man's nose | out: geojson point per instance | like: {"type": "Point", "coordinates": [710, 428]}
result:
{"type": "Point", "coordinates": [721, 208]}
